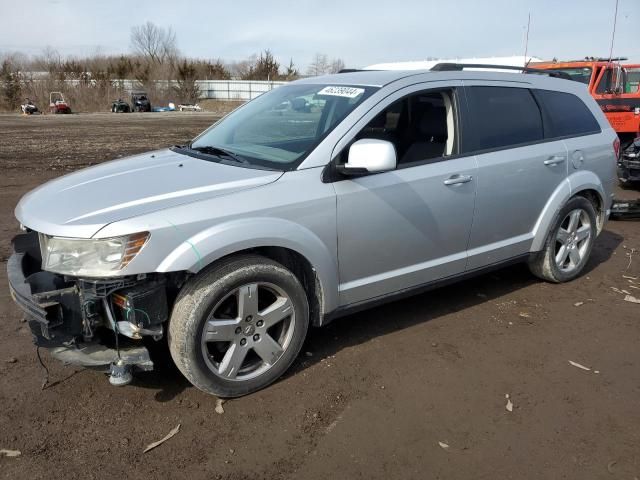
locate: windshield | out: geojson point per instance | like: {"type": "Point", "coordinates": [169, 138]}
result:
{"type": "Point", "coordinates": [281, 127]}
{"type": "Point", "coordinates": [580, 74]}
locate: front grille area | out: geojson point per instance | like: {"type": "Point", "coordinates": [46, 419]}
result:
{"type": "Point", "coordinates": [49, 301]}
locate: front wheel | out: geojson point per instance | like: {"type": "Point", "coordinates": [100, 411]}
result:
{"type": "Point", "coordinates": [239, 326]}
{"type": "Point", "coordinates": [569, 243]}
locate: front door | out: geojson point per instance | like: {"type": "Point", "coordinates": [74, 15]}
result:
{"type": "Point", "coordinates": [410, 226]}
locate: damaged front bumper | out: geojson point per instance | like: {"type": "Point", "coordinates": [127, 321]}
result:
{"type": "Point", "coordinates": [87, 322]}
{"type": "Point", "coordinates": [629, 168]}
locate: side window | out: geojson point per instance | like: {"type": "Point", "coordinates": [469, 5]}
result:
{"type": "Point", "coordinates": [421, 127]}
{"type": "Point", "coordinates": [503, 117]}
{"type": "Point", "coordinates": [606, 84]}
{"type": "Point", "coordinates": [568, 115]}
{"type": "Point", "coordinates": [632, 83]}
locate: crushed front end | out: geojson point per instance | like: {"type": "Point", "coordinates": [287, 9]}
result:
{"type": "Point", "coordinates": [629, 163]}
{"type": "Point", "coordinates": [92, 322]}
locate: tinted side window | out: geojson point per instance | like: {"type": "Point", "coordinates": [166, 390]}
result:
{"type": "Point", "coordinates": [568, 115]}
{"type": "Point", "coordinates": [502, 117]}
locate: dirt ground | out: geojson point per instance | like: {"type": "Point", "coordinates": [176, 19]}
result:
{"type": "Point", "coordinates": [413, 390]}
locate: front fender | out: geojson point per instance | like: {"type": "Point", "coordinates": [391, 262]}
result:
{"type": "Point", "coordinates": [223, 239]}
{"type": "Point", "coordinates": [575, 183]}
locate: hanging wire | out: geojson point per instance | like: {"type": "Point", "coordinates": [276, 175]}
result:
{"type": "Point", "coordinates": [45, 382]}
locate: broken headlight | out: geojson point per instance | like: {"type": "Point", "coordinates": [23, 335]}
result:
{"type": "Point", "coordinates": [102, 257]}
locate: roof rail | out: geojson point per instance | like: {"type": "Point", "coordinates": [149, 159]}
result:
{"type": "Point", "coordinates": [602, 59]}
{"type": "Point", "coordinates": [351, 70]}
{"type": "Point", "coordinates": [449, 67]}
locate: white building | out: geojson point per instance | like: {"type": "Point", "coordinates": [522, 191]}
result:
{"type": "Point", "coordinates": [516, 61]}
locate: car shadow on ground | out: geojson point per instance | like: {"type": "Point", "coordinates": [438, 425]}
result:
{"type": "Point", "coordinates": [363, 326]}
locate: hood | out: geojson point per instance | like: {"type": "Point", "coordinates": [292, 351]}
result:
{"type": "Point", "coordinates": [81, 203]}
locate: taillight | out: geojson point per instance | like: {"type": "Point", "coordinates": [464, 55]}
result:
{"type": "Point", "coordinates": [616, 147]}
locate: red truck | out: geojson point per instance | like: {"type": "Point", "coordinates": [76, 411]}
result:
{"type": "Point", "coordinates": [614, 85]}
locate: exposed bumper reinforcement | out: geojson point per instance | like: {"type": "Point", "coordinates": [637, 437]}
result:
{"type": "Point", "coordinates": [99, 357]}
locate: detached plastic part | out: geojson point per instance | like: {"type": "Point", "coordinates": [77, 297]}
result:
{"type": "Point", "coordinates": [625, 209]}
{"type": "Point", "coordinates": [120, 374]}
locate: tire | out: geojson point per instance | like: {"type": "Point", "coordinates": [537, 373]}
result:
{"type": "Point", "coordinates": [229, 342]}
{"type": "Point", "coordinates": [575, 230]}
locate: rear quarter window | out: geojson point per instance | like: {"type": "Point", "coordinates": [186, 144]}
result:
{"type": "Point", "coordinates": [567, 114]}
{"type": "Point", "coordinates": [502, 117]}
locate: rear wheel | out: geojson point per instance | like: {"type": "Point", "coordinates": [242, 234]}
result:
{"type": "Point", "coordinates": [239, 326]}
{"type": "Point", "coordinates": [569, 243]}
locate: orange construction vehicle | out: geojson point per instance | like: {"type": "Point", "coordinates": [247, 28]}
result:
{"type": "Point", "coordinates": [614, 85]}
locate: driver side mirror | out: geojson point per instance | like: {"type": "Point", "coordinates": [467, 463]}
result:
{"type": "Point", "coordinates": [369, 155]}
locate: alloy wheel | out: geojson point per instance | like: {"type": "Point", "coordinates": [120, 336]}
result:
{"type": "Point", "coordinates": [572, 240]}
{"type": "Point", "coordinates": [248, 331]}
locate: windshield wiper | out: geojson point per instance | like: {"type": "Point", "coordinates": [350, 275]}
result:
{"type": "Point", "coordinates": [219, 152]}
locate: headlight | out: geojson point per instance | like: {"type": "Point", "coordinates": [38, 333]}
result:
{"type": "Point", "coordinates": [90, 257]}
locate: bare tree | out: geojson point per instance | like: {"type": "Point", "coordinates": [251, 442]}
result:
{"type": "Point", "coordinates": [336, 65]}
{"type": "Point", "coordinates": [49, 60]}
{"type": "Point", "coordinates": [319, 65]}
{"type": "Point", "coordinates": [154, 43]}
{"type": "Point", "coordinates": [241, 68]}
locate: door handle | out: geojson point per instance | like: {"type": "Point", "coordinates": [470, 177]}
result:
{"type": "Point", "coordinates": [458, 179]}
{"type": "Point", "coordinates": [555, 160]}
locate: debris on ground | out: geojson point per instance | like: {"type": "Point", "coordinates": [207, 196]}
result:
{"type": "Point", "coordinates": [578, 304]}
{"type": "Point", "coordinates": [443, 445]}
{"type": "Point", "coordinates": [509, 405]}
{"type": "Point", "coordinates": [524, 315]}
{"type": "Point", "coordinates": [10, 453]}
{"type": "Point", "coordinates": [631, 253]}
{"type": "Point", "coordinates": [12, 360]}
{"type": "Point", "coordinates": [153, 445]}
{"type": "Point", "coordinates": [617, 290]}
{"type": "Point", "coordinates": [219, 409]}
{"type": "Point", "coordinates": [578, 365]}
{"type": "Point", "coordinates": [632, 299]}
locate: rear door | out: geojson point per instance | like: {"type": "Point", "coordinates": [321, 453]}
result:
{"type": "Point", "coordinates": [518, 169]}
{"type": "Point", "coordinates": [569, 119]}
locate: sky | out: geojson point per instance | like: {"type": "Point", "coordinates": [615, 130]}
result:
{"type": "Point", "coordinates": [361, 32]}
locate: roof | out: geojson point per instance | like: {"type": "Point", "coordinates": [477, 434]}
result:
{"type": "Point", "coordinates": [380, 78]}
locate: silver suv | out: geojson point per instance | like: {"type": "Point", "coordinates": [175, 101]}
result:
{"type": "Point", "coordinates": [319, 198]}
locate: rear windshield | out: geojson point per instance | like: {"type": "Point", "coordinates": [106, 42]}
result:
{"type": "Point", "coordinates": [279, 128]}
